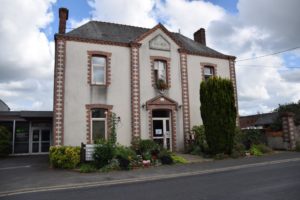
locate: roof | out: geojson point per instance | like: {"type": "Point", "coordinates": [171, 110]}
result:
{"type": "Point", "coordinates": [27, 114]}
{"type": "Point", "coordinates": [119, 33]}
{"type": "Point", "coordinates": [3, 106]}
{"type": "Point", "coordinates": [258, 120]}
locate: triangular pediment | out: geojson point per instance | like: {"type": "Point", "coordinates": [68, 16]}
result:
{"type": "Point", "coordinates": [162, 100]}
{"type": "Point", "coordinates": [159, 43]}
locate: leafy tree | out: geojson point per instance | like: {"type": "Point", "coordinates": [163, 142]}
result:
{"type": "Point", "coordinates": [4, 141]}
{"type": "Point", "coordinates": [289, 107]}
{"type": "Point", "coordinates": [218, 113]}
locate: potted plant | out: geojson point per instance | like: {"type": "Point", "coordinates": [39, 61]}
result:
{"type": "Point", "coordinates": [161, 84]}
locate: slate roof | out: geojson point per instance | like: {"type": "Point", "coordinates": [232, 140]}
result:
{"type": "Point", "coordinates": [27, 114]}
{"type": "Point", "coordinates": [120, 33]}
{"type": "Point", "coordinates": [267, 119]}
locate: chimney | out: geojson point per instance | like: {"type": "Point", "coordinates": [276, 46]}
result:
{"type": "Point", "coordinates": [199, 36]}
{"type": "Point", "coordinates": [63, 17]}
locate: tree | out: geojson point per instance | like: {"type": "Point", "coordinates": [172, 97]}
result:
{"type": "Point", "coordinates": [218, 114]}
{"type": "Point", "coordinates": [4, 141]}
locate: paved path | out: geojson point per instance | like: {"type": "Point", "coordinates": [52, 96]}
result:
{"type": "Point", "coordinates": [16, 177]}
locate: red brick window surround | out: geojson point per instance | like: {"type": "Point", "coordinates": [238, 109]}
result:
{"type": "Point", "coordinates": [97, 122]}
{"type": "Point", "coordinates": [208, 70]}
{"type": "Point", "coordinates": [99, 68]}
{"type": "Point", "coordinates": [160, 69]}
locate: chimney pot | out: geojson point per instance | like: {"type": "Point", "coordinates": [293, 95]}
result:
{"type": "Point", "coordinates": [199, 36]}
{"type": "Point", "coordinates": [63, 17]}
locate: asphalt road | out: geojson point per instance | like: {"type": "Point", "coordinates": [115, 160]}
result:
{"type": "Point", "coordinates": [271, 182]}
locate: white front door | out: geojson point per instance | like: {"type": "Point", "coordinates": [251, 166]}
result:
{"type": "Point", "coordinates": [162, 132]}
{"type": "Point", "coordinates": [40, 140]}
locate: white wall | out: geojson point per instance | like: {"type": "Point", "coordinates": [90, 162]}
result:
{"type": "Point", "coordinates": [195, 78]}
{"type": "Point", "coordinates": [78, 92]}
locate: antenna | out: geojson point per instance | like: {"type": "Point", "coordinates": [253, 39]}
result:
{"type": "Point", "coordinates": [179, 30]}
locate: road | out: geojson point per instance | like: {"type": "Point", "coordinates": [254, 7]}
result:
{"type": "Point", "coordinates": [277, 181]}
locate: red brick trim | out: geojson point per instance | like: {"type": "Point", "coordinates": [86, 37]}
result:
{"type": "Point", "coordinates": [233, 80]}
{"type": "Point", "coordinates": [206, 64]}
{"type": "Point", "coordinates": [59, 90]}
{"type": "Point", "coordinates": [89, 107]}
{"type": "Point", "coordinates": [185, 97]}
{"type": "Point", "coordinates": [107, 55]}
{"type": "Point", "coordinates": [168, 69]}
{"type": "Point", "coordinates": [135, 92]}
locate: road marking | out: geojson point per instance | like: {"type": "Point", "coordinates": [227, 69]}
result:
{"type": "Point", "coordinates": [15, 167]}
{"type": "Point", "coordinates": [142, 179]}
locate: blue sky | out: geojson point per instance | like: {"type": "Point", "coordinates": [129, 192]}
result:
{"type": "Point", "coordinates": [244, 28]}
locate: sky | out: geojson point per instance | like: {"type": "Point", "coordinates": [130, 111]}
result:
{"type": "Point", "coordinates": [246, 29]}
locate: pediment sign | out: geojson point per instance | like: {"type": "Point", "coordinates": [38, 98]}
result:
{"type": "Point", "coordinates": [159, 43]}
{"type": "Point", "coordinates": [161, 100]}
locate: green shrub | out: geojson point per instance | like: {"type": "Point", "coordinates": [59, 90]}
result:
{"type": "Point", "coordinates": [125, 156]}
{"type": "Point", "coordinates": [66, 157]}
{"type": "Point", "coordinates": [255, 151]}
{"type": "Point", "coordinates": [238, 150]}
{"type": "Point", "coordinates": [264, 148]}
{"type": "Point", "coordinates": [111, 166]}
{"type": "Point", "coordinates": [165, 157]}
{"type": "Point", "coordinates": [104, 152]}
{"type": "Point", "coordinates": [147, 148]}
{"type": "Point", "coordinates": [218, 113]}
{"type": "Point", "coordinates": [179, 159]}
{"type": "Point", "coordinates": [199, 146]}
{"type": "Point", "coordinates": [253, 137]}
{"type": "Point", "coordinates": [4, 142]}
{"type": "Point", "coordinates": [87, 168]}
{"type": "Point", "coordinates": [298, 146]}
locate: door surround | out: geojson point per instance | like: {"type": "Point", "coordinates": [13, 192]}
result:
{"type": "Point", "coordinates": [162, 102]}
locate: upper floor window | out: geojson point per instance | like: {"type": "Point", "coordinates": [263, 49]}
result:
{"type": "Point", "coordinates": [98, 70]}
{"type": "Point", "coordinates": [208, 72]}
{"type": "Point", "coordinates": [98, 123]}
{"type": "Point", "coordinates": [160, 70]}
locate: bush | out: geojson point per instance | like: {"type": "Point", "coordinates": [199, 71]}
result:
{"type": "Point", "coordinates": [125, 156]}
{"type": "Point", "coordinates": [199, 146]}
{"type": "Point", "coordinates": [220, 156]}
{"type": "Point", "coordinates": [4, 142]}
{"type": "Point", "coordinates": [238, 150]}
{"type": "Point", "coordinates": [255, 151]}
{"type": "Point", "coordinates": [264, 148]}
{"type": "Point", "coordinates": [165, 157]}
{"type": "Point", "coordinates": [253, 137]}
{"type": "Point", "coordinates": [218, 113]}
{"type": "Point", "coordinates": [87, 168]}
{"type": "Point", "coordinates": [113, 165]}
{"type": "Point", "coordinates": [104, 153]}
{"type": "Point", "coordinates": [147, 148]}
{"type": "Point", "coordinates": [179, 159]}
{"type": "Point", "coordinates": [66, 157]}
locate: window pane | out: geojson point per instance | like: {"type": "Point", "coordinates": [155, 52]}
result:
{"type": "Point", "coordinates": [208, 71]}
{"type": "Point", "coordinates": [98, 113]}
{"type": "Point", "coordinates": [160, 68]}
{"type": "Point", "coordinates": [98, 74]}
{"type": "Point", "coordinates": [98, 128]}
{"type": "Point", "coordinates": [99, 60]}
{"type": "Point", "coordinates": [45, 135]}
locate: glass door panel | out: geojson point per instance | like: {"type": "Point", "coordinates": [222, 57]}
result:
{"type": "Point", "coordinates": [35, 141]}
{"type": "Point", "coordinates": [45, 142]}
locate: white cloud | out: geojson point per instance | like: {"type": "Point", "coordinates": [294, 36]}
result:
{"type": "Point", "coordinates": [26, 55]}
{"type": "Point", "coordinates": [131, 12]}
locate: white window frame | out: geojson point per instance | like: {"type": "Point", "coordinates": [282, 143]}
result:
{"type": "Point", "coordinates": [100, 66]}
{"type": "Point", "coordinates": [97, 119]}
{"type": "Point", "coordinates": [211, 74]}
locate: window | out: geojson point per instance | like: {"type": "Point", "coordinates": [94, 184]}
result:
{"type": "Point", "coordinates": [98, 123]}
{"type": "Point", "coordinates": [208, 72]}
{"type": "Point", "coordinates": [98, 70]}
{"type": "Point", "coordinates": [160, 70]}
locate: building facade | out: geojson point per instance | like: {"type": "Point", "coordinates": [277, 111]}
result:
{"type": "Point", "coordinates": [150, 78]}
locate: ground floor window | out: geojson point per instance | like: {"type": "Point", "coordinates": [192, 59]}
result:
{"type": "Point", "coordinates": [98, 122]}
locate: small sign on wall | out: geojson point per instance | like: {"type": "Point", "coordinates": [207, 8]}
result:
{"type": "Point", "coordinates": [158, 131]}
